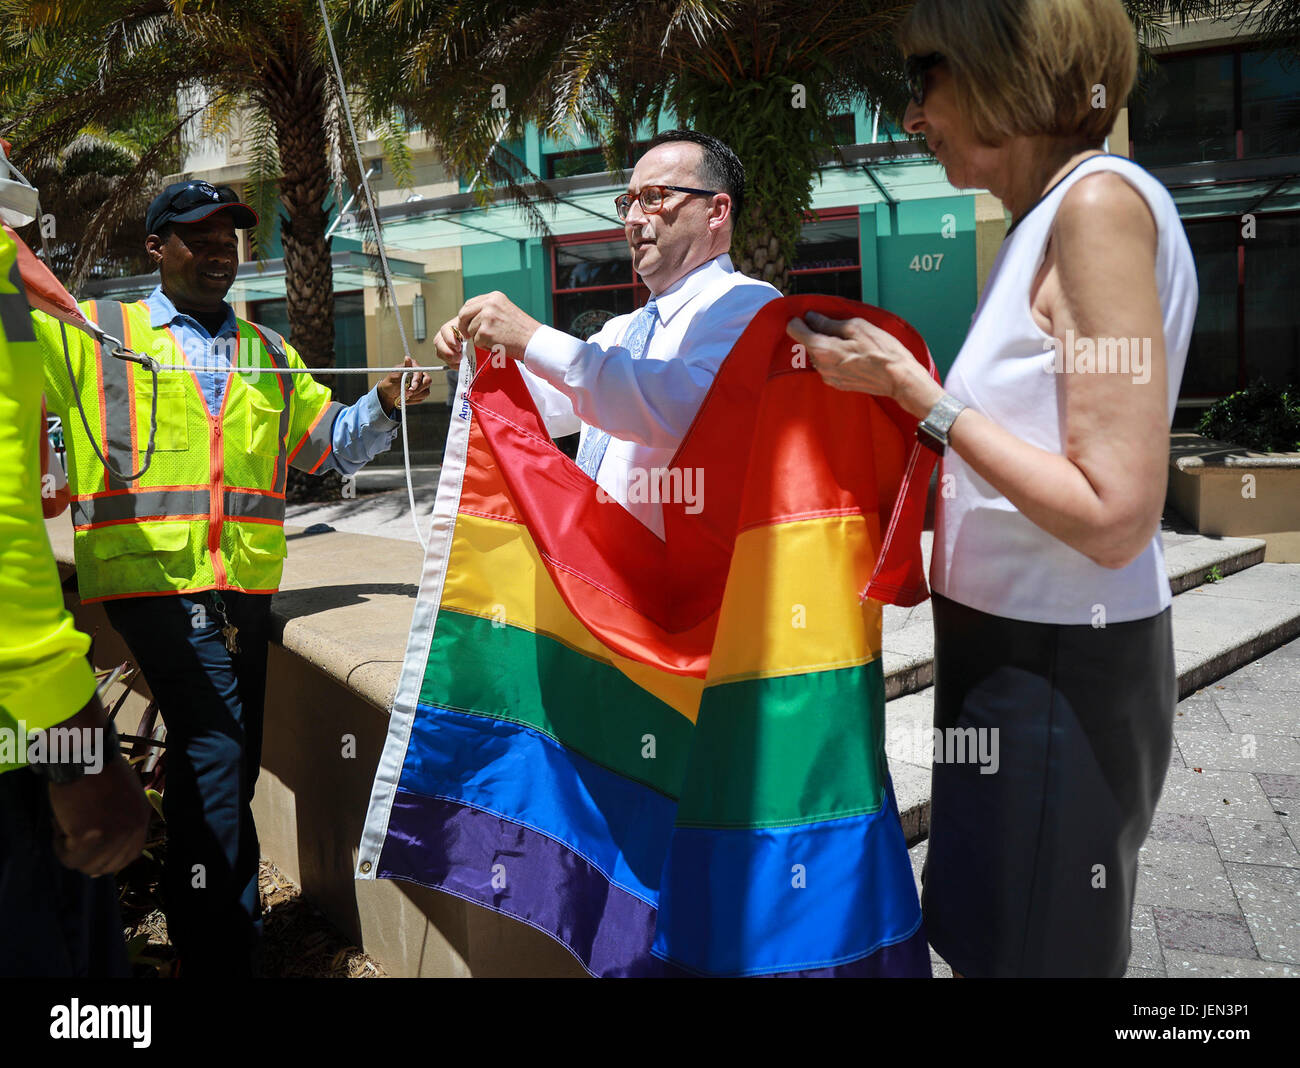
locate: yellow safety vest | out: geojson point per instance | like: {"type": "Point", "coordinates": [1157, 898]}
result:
{"type": "Point", "coordinates": [44, 677]}
{"type": "Point", "coordinates": [209, 512]}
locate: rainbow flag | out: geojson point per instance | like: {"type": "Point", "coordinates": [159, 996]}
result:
{"type": "Point", "coordinates": [668, 754]}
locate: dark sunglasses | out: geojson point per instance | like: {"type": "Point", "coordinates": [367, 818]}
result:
{"type": "Point", "coordinates": [196, 194]}
{"type": "Point", "coordinates": [914, 70]}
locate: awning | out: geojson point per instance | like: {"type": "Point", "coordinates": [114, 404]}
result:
{"type": "Point", "coordinates": [884, 172]}
{"type": "Point", "coordinates": [1233, 187]}
{"type": "Point", "coordinates": [265, 281]}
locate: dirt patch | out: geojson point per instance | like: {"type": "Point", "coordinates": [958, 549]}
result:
{"type": "Point", "coordinates": [298, 942]}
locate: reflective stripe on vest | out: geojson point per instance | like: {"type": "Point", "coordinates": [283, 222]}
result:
{"type": "Point", "coordinates": [310, 453]}
{"type": "Point", "coordinates": [318, 442]}
{"type": "Point", "coordinates": [275, 349]}
{"type": "Point", "coordinates": [15, 312]}
{"type": "Point", "coordinates": [182, 502]}
{"type": "Point", "coordinates": [116, 401]}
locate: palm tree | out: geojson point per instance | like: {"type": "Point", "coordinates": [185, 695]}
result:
{"type": "Point", "coordinates": [72, 67]}
{"type": "Point", "coordinates": [95, 166]}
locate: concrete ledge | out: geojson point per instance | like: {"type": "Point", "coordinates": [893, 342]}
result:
{"type": "Point", "coordinates": [1222, 626]}
{"type": "Point", "coordinates": [1194, 454]}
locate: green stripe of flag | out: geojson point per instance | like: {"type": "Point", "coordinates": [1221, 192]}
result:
{"type": "Point", "coordinates": [788, 750]}
{"type": "Point", "coordinates": [590, 707]}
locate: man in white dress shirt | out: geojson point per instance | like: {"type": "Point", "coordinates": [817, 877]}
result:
{"type": "Point", "coordinates": [634, 388]}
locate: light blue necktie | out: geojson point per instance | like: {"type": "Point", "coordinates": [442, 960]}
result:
{"type": "Point", "coordinates": [637, 342]}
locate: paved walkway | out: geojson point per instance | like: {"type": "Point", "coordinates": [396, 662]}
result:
{"type": "Point", "coordinates": [386, 514]}
{"type": "Point", "coordinates": [1219, 875]}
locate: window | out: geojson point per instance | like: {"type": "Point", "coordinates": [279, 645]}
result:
{"type": "Point", "coordinates": [1272, 280]}
{"type": "Point", "coordinates": [844, 129]}
{"type": "Point", "coordinates": [593, 281]}
{"type": "Point", "coordinates": [1185, 112]}
{"type": "Point", "coordinates": [1270, 105]}
{"type": "Point", "coordinates": [828, 256]}
{"type": "Point", "coordinates": [1216, 106]}
{"type": "Point", "coordinates": [1212, 356]}
{"type": "Point", "coordinates": [1246, 327]}
{"type": "Point", "coordinates": [585, 161]}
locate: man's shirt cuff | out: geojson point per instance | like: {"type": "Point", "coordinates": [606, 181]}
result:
{"type": "Point", "coordinates": [373, 416]}
{"type": "Point", "coordinates": [551, 353]}
{"type": "Point", "coordinates": [361, 432]}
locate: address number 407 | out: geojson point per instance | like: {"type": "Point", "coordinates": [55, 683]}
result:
{"type": "Point", "coordinates": [928, 262]}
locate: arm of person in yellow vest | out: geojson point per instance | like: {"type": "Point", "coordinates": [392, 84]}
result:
{"type": "Point", "coordinates": [60, 394]}
{"type": "Point", "coordinates": [45, 681]}
{"type": "Point", "coordinates": [326, 435]}
{"type": "Point", "coordinates": [58, 389]}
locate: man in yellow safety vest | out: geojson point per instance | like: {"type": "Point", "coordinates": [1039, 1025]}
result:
{"type": "Point", "coordinates": [186, 556]}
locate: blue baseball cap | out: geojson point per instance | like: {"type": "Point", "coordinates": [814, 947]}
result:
{"type": "Point", "coordinates": [186, 202]}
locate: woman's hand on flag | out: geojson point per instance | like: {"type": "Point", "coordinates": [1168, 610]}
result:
{"type": "Point", "coordinates": [858, 356]}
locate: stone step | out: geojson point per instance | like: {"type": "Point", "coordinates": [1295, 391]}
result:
{"type": "Point", "coordinates": [1190, 560]}
{"type": "Point", "coordinates": [1218, 627]}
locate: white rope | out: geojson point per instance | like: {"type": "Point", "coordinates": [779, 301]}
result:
{"type": "Point", "coordinates": [383, 259]}
{"type": "Point", "coordinates": [298, 370]}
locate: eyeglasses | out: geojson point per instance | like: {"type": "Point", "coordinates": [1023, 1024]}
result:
{"type": "Point", "coordinates": [652, 198]}
{"type": "Point", "coordinates": [914, 69]}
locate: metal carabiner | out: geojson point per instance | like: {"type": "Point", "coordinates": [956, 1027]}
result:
{"type": "Point", "coordinates": [116, 348]}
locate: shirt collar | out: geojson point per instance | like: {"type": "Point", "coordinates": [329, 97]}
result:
{"type": "Point", "coordinates": [680, 293]}
{"type": "Point", "coordinates": [162, 312]}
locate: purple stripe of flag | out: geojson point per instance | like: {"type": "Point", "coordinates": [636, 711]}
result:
{"type": "Point", "coordinates": [529, 876]}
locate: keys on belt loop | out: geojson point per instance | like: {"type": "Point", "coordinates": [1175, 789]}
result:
{"type": "Point", "coordinates": [229, 631]}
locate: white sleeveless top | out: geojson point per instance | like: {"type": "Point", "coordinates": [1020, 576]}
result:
{"type": "Point", "coordinates": [986, 554]}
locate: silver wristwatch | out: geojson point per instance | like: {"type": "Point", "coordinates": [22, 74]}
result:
{"type": "Point", "coordinates": [932, 431]}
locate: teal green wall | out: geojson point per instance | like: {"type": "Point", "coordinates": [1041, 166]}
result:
{"type": "Point", "coordinates": [938, 302]}
{"type": "Point", "coordinates": [519, 269]}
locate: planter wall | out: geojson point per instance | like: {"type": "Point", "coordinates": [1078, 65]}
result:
{"type": "Point", "coordinates": [1227, 490]}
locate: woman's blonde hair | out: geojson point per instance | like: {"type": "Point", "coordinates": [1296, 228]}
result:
{"type": "Point", "coordinates": [1027, 67]}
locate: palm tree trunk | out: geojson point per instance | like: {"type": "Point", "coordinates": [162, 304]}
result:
{"type": "Point", "coordinates": [294, 89]}
{"type": "Point", "coordinates": [762, 256]}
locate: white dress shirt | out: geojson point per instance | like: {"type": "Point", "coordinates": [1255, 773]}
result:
{"type": "Point", "coordinates": [646, 405]}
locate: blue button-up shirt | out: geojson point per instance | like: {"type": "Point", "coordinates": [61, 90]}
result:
{"type": "Point", "coordinates": [361, 432]}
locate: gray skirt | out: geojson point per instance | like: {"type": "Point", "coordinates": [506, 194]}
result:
{"type": "Point", "coordinates": [1037, 815]}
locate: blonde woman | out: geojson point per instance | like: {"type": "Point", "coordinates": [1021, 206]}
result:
{"type": "Point", "coordinates": [1051, 602]}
